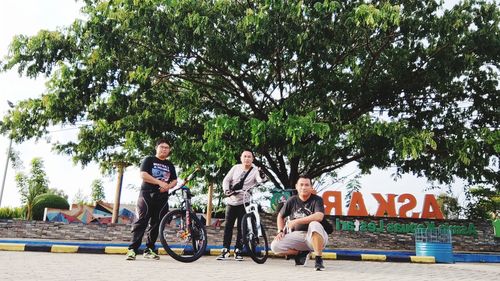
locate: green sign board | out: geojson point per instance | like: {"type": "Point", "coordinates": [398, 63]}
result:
{"type": "Point", "coordinates": [382, 226]}
{"type": "Point", "coordinates": [496, 227]}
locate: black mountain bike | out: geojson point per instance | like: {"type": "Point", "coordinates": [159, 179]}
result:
{"type": "Point", "coordinates": [182, 233]}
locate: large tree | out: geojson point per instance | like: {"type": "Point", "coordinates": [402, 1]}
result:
{"type": "Point", "coordinates": [310, 85]}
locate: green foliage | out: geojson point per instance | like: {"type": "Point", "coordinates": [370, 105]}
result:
{"type": "Point", "coordinates": [58, 192]}
{"type": "Point", "coordinates": [483, 203]}
{"type": "Point", "coordinates": [47, 200]}
{"type": "Point", "coordinates": [352, 186]}
{"type": "Point", "coordinates": [310, 85]}
{"type": "Point", "coordinates": [97, 191]}
{"type": "Point", "coordinates": [15, 159]}
{"type": "Point", "coordinates": [449, 206]}
{"type": "Point", "coordinates": [81, 199]}
{"type": "Point", "coordinates": [11, 213]}
{"type": "Point", "coordinates": [33, 185]}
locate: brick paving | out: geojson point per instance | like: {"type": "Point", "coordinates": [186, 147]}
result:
{"type": "Point", "coordinates": [67, 266]}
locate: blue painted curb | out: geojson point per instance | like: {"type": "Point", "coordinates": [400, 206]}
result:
{"type": "Point", "coordinates": [342, 254]}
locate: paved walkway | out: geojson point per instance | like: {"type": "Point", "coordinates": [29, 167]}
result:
{"type": "Point", "coordinates": [64, 266]}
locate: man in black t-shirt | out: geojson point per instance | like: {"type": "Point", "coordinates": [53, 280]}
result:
{"type": "Point", "coordinates": [158, 176]}
{"type": "Point", "coordinates": [303, 232]}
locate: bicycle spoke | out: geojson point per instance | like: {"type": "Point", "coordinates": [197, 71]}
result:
{"type": "Point", "coordinates": [179, 242]}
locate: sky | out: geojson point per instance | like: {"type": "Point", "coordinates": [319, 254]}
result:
{"type": "Point", "coordinates": [28, 17]}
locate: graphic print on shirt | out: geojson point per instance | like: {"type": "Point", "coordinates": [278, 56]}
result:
{"type": "Point", "coordinates": [301, 212]}
{"type": "Point", "coordinates": [161, 172]}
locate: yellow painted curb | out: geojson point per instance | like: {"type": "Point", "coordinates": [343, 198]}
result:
{"type": "Point", "coordinates": [423, 259]}
{"type": "Point", "coordinates": [162, 251]}
{"type": "Point", "coordinates": [272, 254]}
{"type": "Point", "coordinates": [329, 256]}
{"type": "Point", "coordinates": [115, 250]}
{"type": "Point", "coordinates": [11, 247]}
{"type": "Point", "coordinates": [177, 251]}
{"type": "Point", "coordinates": [214, 252]}
{"type": "Point", "coordinates": [372, 257]}
{"type": "Point", "coordinates": [63, 249]}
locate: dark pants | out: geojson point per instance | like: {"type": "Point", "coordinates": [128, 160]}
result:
{"type": "Point", "coordinates": [151, 207]}
{"type": "Point", "coordinates": [233, 213]}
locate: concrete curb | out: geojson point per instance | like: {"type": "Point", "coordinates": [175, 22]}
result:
{"type": "Point", "coordinates": [120, 250]}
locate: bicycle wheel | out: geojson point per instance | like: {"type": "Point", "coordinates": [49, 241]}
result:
{"type": "Point", "coordinates": [181, 243]}
{"type": "Point", "coordinates": [257, 247]}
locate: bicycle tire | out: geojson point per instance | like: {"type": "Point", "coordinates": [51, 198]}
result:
{"type": "Point", "coordinates": [257, 247]}
{"type": "Point", "coordinates": [178, 242]}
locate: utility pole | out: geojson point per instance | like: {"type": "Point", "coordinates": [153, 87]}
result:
{"type": "Point", "coordinates": [11, 105]}
{"type": "Point", "coordinates": [5, 170]}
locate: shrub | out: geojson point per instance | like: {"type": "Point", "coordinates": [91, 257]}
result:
{"type": "Point", "coordinates": [11, 213]}
{"type": "Point", "coordinates": [47, 200]}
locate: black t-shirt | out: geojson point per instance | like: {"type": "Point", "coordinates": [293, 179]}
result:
{"type": "Point", "coordinates": [163, 170]}
{"type": "Point", "coordinates": [296, 208]}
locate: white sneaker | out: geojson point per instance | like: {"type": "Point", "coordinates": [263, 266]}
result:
{"type": "Point", "coordinates": [224, 254]}
{"type": "Point", "coordinates": [237, 255]}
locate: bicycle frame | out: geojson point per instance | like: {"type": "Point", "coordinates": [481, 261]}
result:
{"type": "Point", "coordinates": [253, 231]}
{"type": "Point", "coordinates": [186, 198]}
{"type": "Point", "coordinates": [189, 234]}
{"type": "Point", "coordinates": [252, 207]}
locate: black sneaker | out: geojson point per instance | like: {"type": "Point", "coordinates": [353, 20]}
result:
{"type": "Point", "coordinates": [224, 254]}
{"type": "Point", "coordinates": [237, 255]}
{"type": "Point", "coordinates": [319, 263]}
{"type": "Point", "coordinates": [301, 258]}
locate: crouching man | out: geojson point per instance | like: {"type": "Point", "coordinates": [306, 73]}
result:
{"type": "Point", "coordinates": [303, 232]}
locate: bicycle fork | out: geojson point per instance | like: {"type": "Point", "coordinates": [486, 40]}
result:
{"type": "Point", "coordinates": [253, 209]}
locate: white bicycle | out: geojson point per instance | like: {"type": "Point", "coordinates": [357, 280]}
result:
{"type": "Point", "coordinates": [252, 230]}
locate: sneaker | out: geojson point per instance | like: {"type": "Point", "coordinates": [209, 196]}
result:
{"type": "Point", "coordinates": [301, 258]}
{"type": "Point", "coordinates": [150, 254]}
{"type": "Point", "coordinates": [237, 255]}
{"type": "Point", "coordinates": [130, 255]}
{"type": "Point", "coordinates": [319, 263]}
{"type": "Point", "coordinates": [224, 254]}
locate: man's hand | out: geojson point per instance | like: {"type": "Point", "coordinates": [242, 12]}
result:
{"type": "Point", "coordinates": [164, 187]}
{"type": "Point", "coordinates": [279, 236]}
{"type": "Point", "coordinates": [292, 224]}
{"type": "Point", "coordinates": [262, 175]}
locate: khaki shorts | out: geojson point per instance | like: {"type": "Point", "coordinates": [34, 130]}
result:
{"type": "Point", "coordinates": [300, 240]}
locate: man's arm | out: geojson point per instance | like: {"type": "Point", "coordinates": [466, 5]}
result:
{"type": "Point", "coordinates": [280, 222]}
{"type": "Point", "coordinates": [164, 186]}
{"type": "Point", "coordinates": [227, 180]}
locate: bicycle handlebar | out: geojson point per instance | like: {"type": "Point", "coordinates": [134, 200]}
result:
{"type": "Point", "coordinates": [186, 180]}
{"type": "Point", "coordinates": [232, 192]}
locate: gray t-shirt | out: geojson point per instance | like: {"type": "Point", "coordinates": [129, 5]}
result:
{"type": "Point", "coordinates": [295, 208]}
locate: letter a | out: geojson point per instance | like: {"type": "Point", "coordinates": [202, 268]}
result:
{"type": "Point", "coordinates": [430, 202]}
{"type": "Point", "coordinates": [357, 206]}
